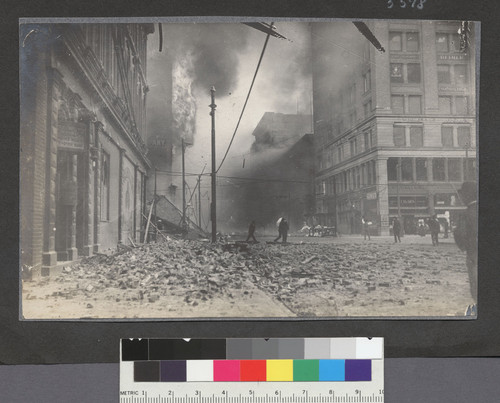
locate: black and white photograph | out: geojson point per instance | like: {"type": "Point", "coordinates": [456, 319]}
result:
{"type": "Point", "coordinates": [299, 169]}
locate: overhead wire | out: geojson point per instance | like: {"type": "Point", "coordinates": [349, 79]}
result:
{"type": "Point", "coordinates": [246, 100]}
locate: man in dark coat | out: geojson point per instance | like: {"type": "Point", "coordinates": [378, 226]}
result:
{"type": "Point", "coordinates": [396, 229]}
{"type": "Point", "coordinates": [434, 227]}
{"type": "Point", "coordinates": [465, 236]}
{"type": "Point", "coordinates": [282, 230]}
{"type": "Point", "coordinates": [251, 231]}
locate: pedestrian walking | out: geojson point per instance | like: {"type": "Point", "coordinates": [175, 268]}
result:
{"type": "Point", "coordinates": [282, 230]}
{"type": "Point", "coordinates": [251, 232]}
{"type": "Point", "coordinates": [465, 235]}
{"type": "Point", "coordinates": [396, 229]}
{"type": "Point", "coordinates": [434, 227]}
{"type": "Point", "coordinates": [366, 227]}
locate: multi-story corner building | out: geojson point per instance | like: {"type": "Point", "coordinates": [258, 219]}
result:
{"type": "Point", "coordinates": [395, 131]}
{"type": "Point", "coordinates": [83, 150]}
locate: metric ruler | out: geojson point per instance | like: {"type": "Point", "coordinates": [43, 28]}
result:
{"type": "Point", "coordinates": [312, 370]}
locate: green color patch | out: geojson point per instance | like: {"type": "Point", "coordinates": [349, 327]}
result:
{"type": "Point", "coordinates": [305, 370]}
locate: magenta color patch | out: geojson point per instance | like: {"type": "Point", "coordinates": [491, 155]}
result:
{"type": "Point", "coordinates": [226, 370]}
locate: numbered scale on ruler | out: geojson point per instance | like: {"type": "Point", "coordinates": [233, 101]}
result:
{"type": "Point", "coordinates": [314, 370]}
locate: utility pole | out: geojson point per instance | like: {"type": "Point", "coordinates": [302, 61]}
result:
{"type": "Point", "coordinates": [398, 179]}
{"type": "Point", "coordinates": [213, 205]}
{"type": "Point", "coordinates": [154, 202]}
{"type": "Point", "coordinates": [199, 201]}
{"type": "Point", "coordinates": [183, 188]}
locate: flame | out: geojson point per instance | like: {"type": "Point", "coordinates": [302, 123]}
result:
{"type": "Point", "coordinates": [183, 99]}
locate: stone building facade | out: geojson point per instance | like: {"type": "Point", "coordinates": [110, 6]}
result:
{"type": "Point", "coordinates": [395, 132]}
{"type": "Point", "coordinates": [83, 153]}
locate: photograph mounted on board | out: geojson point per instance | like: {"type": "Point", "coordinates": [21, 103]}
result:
{"type": "Point", "coordinates": [278, 169]}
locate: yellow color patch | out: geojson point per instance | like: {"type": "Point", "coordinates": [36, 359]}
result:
{"type": "Point", "coordinates": [279, 370]}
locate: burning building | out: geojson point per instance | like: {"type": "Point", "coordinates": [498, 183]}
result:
{"type": "Point", "coordinates": [83, 153]}
{"type": "Point", "coordinates": [277, 177]}
{"type": "Point", "coordinates": [395, 131]}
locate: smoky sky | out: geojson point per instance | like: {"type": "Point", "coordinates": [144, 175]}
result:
{"type": "Point", "coordinates": [214, 49]}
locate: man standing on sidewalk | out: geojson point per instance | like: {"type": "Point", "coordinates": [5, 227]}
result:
{"type": "Point", "coordinates": [466, 238]}
{"type": "Point", "coordinates": [396, 229]}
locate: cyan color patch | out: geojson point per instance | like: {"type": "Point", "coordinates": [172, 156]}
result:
{"type": "Point", "coordinates": [332, 370]}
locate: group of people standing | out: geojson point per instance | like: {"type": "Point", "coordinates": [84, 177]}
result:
{"type": "Point", "coordinates": [283, 228]}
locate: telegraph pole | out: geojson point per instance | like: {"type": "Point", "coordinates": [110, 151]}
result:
{"type": "Point", "coordinates": [183, 189]}
{"type": "Point", "coordinates": [199, 201]}
{"type": "Point", "coordinates": [213, 205]}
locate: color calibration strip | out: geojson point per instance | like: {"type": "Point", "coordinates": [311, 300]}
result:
{"type": "Point", "coordinates": [252, 360]}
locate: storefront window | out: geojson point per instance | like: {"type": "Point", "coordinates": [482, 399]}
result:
{"type": "Point", "coordinates": [454, 169]}
{"type": "Point", "coordinates": [392, 169]}
{"type": "Point", "coordinates": [421, 164]}
{"type": "Point", "coordinates": [438, 172]}
{"type": "Point", "coordinates": [407, 169]}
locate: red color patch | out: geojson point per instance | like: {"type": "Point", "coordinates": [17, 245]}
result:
{"type": "Point", "coordinates": [253, 370]}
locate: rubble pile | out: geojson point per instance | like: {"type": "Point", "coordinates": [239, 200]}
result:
{"type": "Point", "coordinates": [196, 271]}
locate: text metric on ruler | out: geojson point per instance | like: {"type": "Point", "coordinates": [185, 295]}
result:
{"type": "Point", "coordinates": [309, 370]}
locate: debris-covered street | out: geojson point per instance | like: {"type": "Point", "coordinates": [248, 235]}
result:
{"type": "Point", "coordinates": [305, 278]}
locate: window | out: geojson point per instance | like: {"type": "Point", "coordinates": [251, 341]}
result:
{"type": "Point", "coordinates": [415, 104]}
{"type": "Point", "coordinates": [354, 147]}
{"type": "Point", "coordinates": [367, 81]}
{"type": "Point", "coordinates": [395, 41]}
{"type": "Point", "coordinates": [412, 42]}
{"type": "Point", "coordinates": [445, 105]}
{"type": "Point", "coordinates": [443, 72]}
{"type": "Point", "coordinates": [438, 169]}
{"type": "Point", "coordinates": [461, 76]}
{"type": "Point", "coordinates": [469, 169]}
{"type": "Point", "coordinates": [454, 170]}
{"type": "Point", "coordinates": [358, 178]}
{"type": "Point", "coordinates": [407, 169]}
{"type": "Point", "coordinates": [447, 136]}
{"type": "Point", "coordinates": [442, 42]}
{"type": "Point", "coordinates": [367, 108]}
{"type": "Point", "coordinates": [399, 136]}
{"type": "Point", "coordinates": [398, 104]}
{"type": "Point", "coordinates": [455, 43]}
{"type": "Point", "coordinates": [105, 174]}
{"type": "Point", "coordinates": [416, 136]}
{"type": "Point", "coordinates": [392, 169]}
{"type": "Point", "coordinates": [413, 72]}
{"type": "Point", "coordinates": [366, 136]}
{"type": "Point", "coordinates": [374, 173]}
{"type": "Point", "coordinates": [397, 73]}
{"type": "Point", "coordinates": [461, 106]}
{"type": "Point", "coordinates": [340, 153]}
{"type": "Point", "coordinates": [421, 165]}
{"type": "Point", "coordinates": [463, 136]}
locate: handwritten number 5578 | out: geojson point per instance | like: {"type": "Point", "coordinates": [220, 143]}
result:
{"type": "Point", "coordinates": [402, 3]}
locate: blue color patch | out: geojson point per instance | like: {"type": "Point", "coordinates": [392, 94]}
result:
{"type": "Point", "coordinates": [332, 370]}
